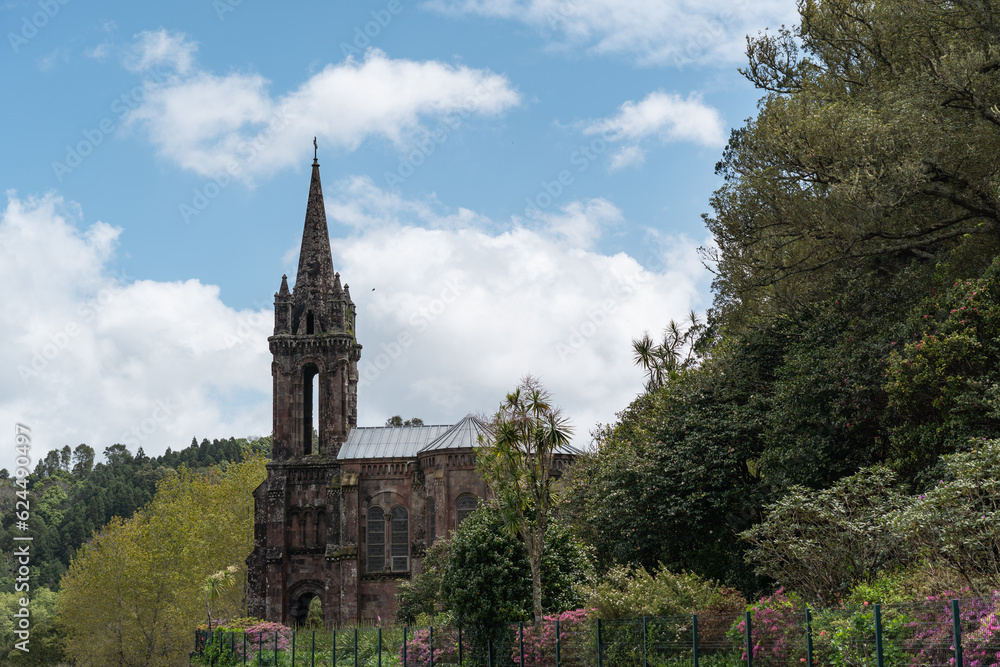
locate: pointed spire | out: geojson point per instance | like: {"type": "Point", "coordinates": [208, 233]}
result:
{"type": "Point", "coordinates": [347, 293]}
{"type": "Point", "coordinates": [283, 291]}
{"type": "Point", "coordinates": [315, 260]}
{"type": "Point", "coordinates": [336, 283]}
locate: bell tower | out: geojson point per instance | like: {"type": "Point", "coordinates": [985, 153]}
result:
{"type": "Point", "coordinates": [298, 552]}
{"type": "Point", "coordinates": [314, 348]}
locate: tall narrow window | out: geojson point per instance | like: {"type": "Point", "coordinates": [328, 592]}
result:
{"type": "Point", "coordinates": [431, 522]}
{"type": "Point", "coordinates": [375, 561]}
{"type": "Point", "coordinates": [400, 539]}
{"type": "Point", "coordinates": [309, 322]}
{"type": "Point", "coordinates": [310, 407]}
{"type": "Point", "coordinates": [464, 506]}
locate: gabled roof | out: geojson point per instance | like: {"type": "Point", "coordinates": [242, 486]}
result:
{"type": "Point", "coordinates": [463, 435]}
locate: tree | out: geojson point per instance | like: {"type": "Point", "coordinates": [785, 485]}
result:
{"type": "Point", "coordinates": [83, 460]}
{"type": "Point", "coordinates": [133, 593]}
{"type": "Point", "coordinates": [396, 420]}
{"type": "Point", "coordinates": [677, 476]}
{"type": "Point", "coordinates": [662, 361]}
{"type": "Point", "coordinates": [823, 543]}
{"type": "Point", "coordinates": [527, 432]}
{"type": "Point", "coordinates": [216, 584]}
{"type": "Point", "coordinates": [878, 137]}
{"type": "Point", "coordinates": [486, 578]}
{"type": "Point", "coordinates": [957, 522]}
{"type": "Point", "coordinates": [944, 375]}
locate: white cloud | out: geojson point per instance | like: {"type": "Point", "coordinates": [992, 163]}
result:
{"type": "Point", "coordinates": [211, 123]}
{"type": "Point", "coordinates": [453, 308]}
{"type": "Point", "coordinates": [664, 32]}
{"type": "Point", "coordinates": [96, 357]}
{"type": "Point", "coordinates": [459, 313]}
{"type": "Point", "coordinates": [665, 116]}
{"type": "Point", "coordinates": [626, 157]}
{"type": "Point", "coordinates": [157, 48]}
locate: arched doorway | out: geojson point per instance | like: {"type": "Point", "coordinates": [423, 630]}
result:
{"type": "Point", "coordinates": [301, 606]}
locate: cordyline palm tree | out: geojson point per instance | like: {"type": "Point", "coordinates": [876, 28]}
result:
{"type": "Point", "coordinates": [214, 586]}
{"type": "Point", "coordinates": [663, 360]}
{"type": "Point", "coordinates": [516, 463]}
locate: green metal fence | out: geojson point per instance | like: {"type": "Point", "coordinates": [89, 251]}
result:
{"type": "Point", "coordinates": [927, 634]}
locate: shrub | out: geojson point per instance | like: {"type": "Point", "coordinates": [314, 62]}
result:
{"type": "Point", "coordinates": [777, 632]}
{"type": "Point", "coordinates": [575, 635]}
{"type": "Point", "coordinates": [627, 592]}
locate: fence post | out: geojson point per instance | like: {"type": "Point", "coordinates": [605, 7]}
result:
{"type": "Point", "coordinates": [460, 646]}
{"type": "Point", "coordinates": [355, 647]}
{"type": "Point", "coordinates": [878, 636]}
{"type": "Point", "coordinates": [521, 641]}
{"type": "Point", "coordinates": [748, 617]}
{"type": "Point", "coordinates": [600, 658]}
{"type": "Point", "coordinates": [957, 620]}
{"type": "Point", "coordinates": [244, 647]}
{"type": "Point", "coordinates": [558, 647]}
{"type": "Point", "coordinates": [260, 647]}
{"type": "Point", "coordinates": [312, 651]}
{"type": "Point", "coordinates": [276, 647]}
{"type": "Point", "coordinates": [294, 632]}
{"type": "Point", "coordinates": [404, 647]}
{"type": "Point", "coordinates": [809, 638]}
{"type": "Point", "coordinates": [432, 645]}
{"type": "Point", "coordinates": [694, 638]}
{"type": "Point", "coordinates": [644, 663]}
{"type": "Point", "coordinates": [379, 647]}
{"type": "Point", "coordinates": [333, 658]}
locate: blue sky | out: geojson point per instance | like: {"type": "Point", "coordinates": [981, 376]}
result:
{"type": "Point", "coordinates": [512, 186]}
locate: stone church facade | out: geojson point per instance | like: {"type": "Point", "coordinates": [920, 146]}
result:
{"type": "Point", "coordinates": [344, 516]}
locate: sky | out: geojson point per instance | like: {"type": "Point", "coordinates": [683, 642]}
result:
{"type": "Point", "coordinates": [511, 186]}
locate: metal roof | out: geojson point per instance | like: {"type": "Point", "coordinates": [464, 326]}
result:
{"type": "Point", "coordinates": [389, 442]}
{"type": "Point", "coordinates": [463, 435]}
{"type": "Point", "coordinates": [392, 442]}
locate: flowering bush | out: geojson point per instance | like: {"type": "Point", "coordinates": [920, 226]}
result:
{"type": "Point", "coordinates": [777, 631]}
{"type": "Point", "coordinates": [932, 641]}
{"type": "Point", "coordinates": [224, 644]}
{"type": "Point", "coordinates": [418, 648]}
{"type": "Point", "coordinates": [540, 647]}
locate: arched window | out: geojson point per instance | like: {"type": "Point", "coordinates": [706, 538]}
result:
{"type": "Point", "coordinates": [464, 506]}
{"type": "Point", "coordinates": [310, 407]}
{"type": "Point", "coordinates": [400, 539]}
{"type": "Point", "coordinates": [375, 561]}
{"type": "Point", "coordinates": [431, 522]}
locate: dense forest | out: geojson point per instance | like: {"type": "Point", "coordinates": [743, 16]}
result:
{"type": "Point", "coordinates": [72, 496]}
{"type": "Point", "coordinates": [856, 320]}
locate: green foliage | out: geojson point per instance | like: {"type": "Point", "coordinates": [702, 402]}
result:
{"type": "Point", "coordinates": [487, 579]}
{"type": "Point", "coordinates": [824, 543]}
{"type": "Point", "coordinates": [526, 434]}
{"type": "Point", "coordinates": [675, 476]}
{"type": "Point", "coordinates": [877, 137]}
{"type": "Point", "coordinates": [944, 383]}
{"type": "Point", "coordinates": [421, 594]}
{"type": "Point", "coordinates": [45, 647]}
{"type": "Point", "coordinates": [628, 592]}
{"type": "Point", "coordinates": [133, 593]}
{"type": "Point", "coordinates": [957, 523]}
{"type": "Point", "coordinates": [73, 497]}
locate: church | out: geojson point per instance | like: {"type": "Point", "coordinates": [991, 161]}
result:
{"type": "Point", "coordinates": [344, 515]}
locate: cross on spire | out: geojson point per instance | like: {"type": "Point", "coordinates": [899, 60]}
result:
{"type": "Point", "coordinates": [315, 151]}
